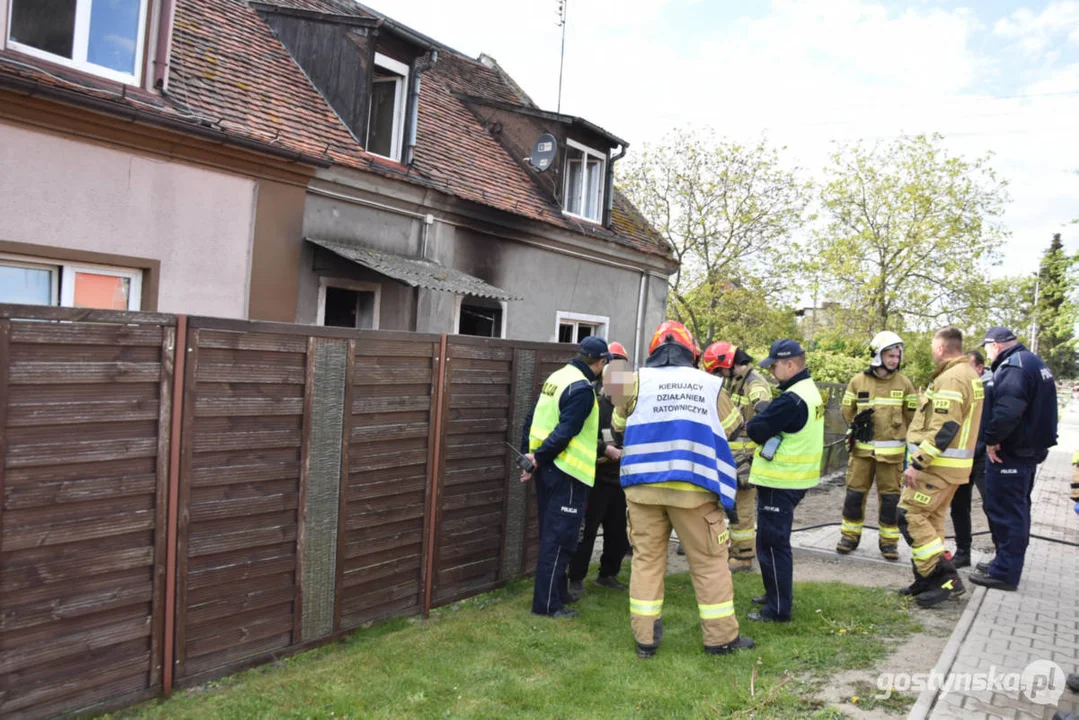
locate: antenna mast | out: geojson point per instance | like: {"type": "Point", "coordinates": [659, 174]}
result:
{"type": "Point", "coordinates": [562, 59]}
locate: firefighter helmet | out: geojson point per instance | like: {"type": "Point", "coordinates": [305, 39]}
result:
{"type": "Point", "coordinates": [881, 342]}
{"type": "Point", "coordinates": [618, 352]}
{"type": "Point", "coordinates": [718, 355]}
{"type": "Point", "coordinates": [673, 331]}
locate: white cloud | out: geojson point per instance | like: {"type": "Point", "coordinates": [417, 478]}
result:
{"type": "Point", "coordinates": [1035, 32]}
{"type": "Point", "coordinates": [807, 74]}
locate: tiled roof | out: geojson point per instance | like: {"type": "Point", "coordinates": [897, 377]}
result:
{"type": "Point", "coordinates": [228, 72]}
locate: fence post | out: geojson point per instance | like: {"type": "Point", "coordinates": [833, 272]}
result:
{"type": "Point", "coordinates": [178, 375]}
{"type": "Point", "coordinates": [434, 476]}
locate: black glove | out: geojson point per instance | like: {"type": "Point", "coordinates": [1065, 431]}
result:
{"type": "Point", "coordinates": [732, 514]}
{"type": "Point", "coordinates": [862, 426]}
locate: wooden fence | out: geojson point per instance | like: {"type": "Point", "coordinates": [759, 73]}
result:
{"type": "Point", "coordinates": [187, 497]}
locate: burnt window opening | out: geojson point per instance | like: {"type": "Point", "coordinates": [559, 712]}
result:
{"type": "Point", "coordinates": [480, 317]}
{"type": "Point", "coordinates": [350, 308]}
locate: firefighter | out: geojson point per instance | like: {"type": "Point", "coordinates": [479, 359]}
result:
{"type": "Point", "coordinates": [562, 433]}
{"type": "Point", "coordinates": [878, 404]}
{"type": "Point", "coordinates": [940, 443]}
{"type": "Point", "coordinates": [790, 447]}
{"type": "Point", "coordinates": [750, 393]}
{"type": "Point", "coordinates": [676, 470]}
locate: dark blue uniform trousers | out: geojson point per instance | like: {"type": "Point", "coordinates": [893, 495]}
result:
{"type": "Point", "coordinates": [1008, 487]}
{"type": "Point", "coordinates": [775, 517]}
{"type": "Point", "coordinates": [560, 501]}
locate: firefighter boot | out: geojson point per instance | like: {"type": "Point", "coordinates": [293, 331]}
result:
{"type": "Point", "coordinates": [944, 584]}
{"type": "Point", "coordinates": [919, 585]}
{"type": "Point", "coordinates": [740, 564]}
{"type": "Point", "coordinates": [889, 526]}
{"type": "Point", "coordinates": [853, 517]}
{"type": "Point", "coordinates": [646, 651]}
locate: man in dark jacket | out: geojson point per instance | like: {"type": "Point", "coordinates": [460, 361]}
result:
{"type": "Point", "coordinates": [1022, 428]}
{"type": "Point", "coordinates": [607, 500]}
{"type": "Point", "coordinates": [560, 439]}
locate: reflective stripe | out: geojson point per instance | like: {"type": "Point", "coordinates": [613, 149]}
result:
{"type": "Point", "coordinates": [731, 421]}
{"type": "Point", "coordinates": [967, 463]}
{"type": "Point", "coordinates": [949, 395]}
{"type": "Point", "coordinates": [679, 485]}
{"type": "Point", "coordinates": [889, 443]}
{"type": "Point", "coordinates": [743, 534]}
{"type": "Point", "coordinates": [645, 607]}
{"type": "Point", "coordinates": [922, 552]}
{"type": "Point", "coordinates": [852, 526]}
{"type": "Point", "coordinates": [743, 445]}
{"type": "Point", "coordinates": [926, 447]}
{"type": "Point", "coordinates": [656, 447]}
{"type": "Point", "coordinates": [889, 533]}
{"type": "Point", "coordinates": [719, 610]}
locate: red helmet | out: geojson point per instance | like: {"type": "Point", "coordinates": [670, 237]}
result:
{"type": "Point", "coordinates": [718, 355]}
{"type": "Point", "coordinates": [672, 331]}
{"type": "Point", "coordinates": [617, 351]}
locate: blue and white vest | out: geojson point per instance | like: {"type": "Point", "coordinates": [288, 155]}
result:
{"type": "Point", "coordinates": [674, 437]}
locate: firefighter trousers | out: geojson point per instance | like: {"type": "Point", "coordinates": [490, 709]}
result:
{"type": "Point", "coordinates": [861, 472]}
{"type": "Point", "coordinates": [744, 532]}
{"type": "Point", "coordinates": [923, 511]}
{"type": "Point", "coordinates": [703, 533]}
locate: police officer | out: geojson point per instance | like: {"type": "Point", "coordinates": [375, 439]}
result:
{"type": "Point", "coordinates": [783, 473]}
{"type": "Point", "coordinates": [750, 394]}
{"type": "Point", "coordinates": [878, 405]}
{"type": "Point", "coordinates": [607, 501]}
{"type": "Point", "coordinates": [1022, 428]}
{"type": "Point", "coordinates": [562, 436]}
{"type": "Point", "coordinates": [940, 443]}
{"type": "Point", "coordinates": [676, 469]}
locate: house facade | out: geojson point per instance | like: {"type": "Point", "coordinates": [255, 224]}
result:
{"type": "Point", "coordinates": [306, 161]}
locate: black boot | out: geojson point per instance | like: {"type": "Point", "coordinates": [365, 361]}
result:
{"type": "Point", "coordinates": [961, 559]}
{"type": "Point", "coordinates": [845, 545]}
{"type": "Point", "coordinates": [739, 643]}
{"type": "Point", "coordinates": [647, 651]}
{"type": "Point", "coordinates": [919, 585]}
{"type": "Point", "coordinates": [944, 584]}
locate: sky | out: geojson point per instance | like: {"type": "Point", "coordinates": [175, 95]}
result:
{"type": "Point", "coordinates": [998, 76]}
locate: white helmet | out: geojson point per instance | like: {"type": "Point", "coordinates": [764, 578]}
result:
{"type": "Point", "coordinates": [882, 341]}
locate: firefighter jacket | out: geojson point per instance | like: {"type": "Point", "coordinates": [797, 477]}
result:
{"type": "Point", "coordinates": [942, 437]}
{"type": "Point", "coordinates": [750, 393]}
{"type": "Point", "coordinates": [893, 401]}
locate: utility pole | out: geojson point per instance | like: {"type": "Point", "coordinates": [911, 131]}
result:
{"type": "Point", "coordinates": [562, 5]}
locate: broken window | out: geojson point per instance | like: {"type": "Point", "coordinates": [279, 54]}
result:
{"type": "Point", "coordinates": [480, 317]}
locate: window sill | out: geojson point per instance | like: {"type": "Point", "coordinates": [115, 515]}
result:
{"type": "Point", "coordinates": [389, 163]}
{"type": "Point", "coordinates": [575, 216]}
{"type": "Point", "coordinates": [47, 62]}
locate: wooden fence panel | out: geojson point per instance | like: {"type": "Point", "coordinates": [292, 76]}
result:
{"type": "Point", "coordinates": [247, 408]}
{"type": "Point", "coordinates": [387, 465]}
{"type": "Point", "coordinates": [84, 439]}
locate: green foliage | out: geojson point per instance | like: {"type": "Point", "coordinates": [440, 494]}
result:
{"type": "Point", "coordinates": [490, 657]}
{"type": "Point", "coordinates": [834, 367]}
{"type": "Point", "coordinates": [1056, 312]}
{"type": "Point", "coordinates": [728, 211]}
{"type": "Point", "coordinates": [910, 232]}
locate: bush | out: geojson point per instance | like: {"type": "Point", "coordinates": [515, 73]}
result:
{"type": "Point", "coordinates": [834, 367]}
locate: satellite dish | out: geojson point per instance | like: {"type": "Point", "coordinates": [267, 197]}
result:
{"type": "Point", "coordinates": [543, 152]}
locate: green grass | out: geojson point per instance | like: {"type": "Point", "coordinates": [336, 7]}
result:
{"type": "Point", "coordinates": [865, 697]}
{"type": "Point", "coordinates": [489, 657]}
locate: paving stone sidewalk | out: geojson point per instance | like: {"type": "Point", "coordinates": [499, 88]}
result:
{"type": "Point", "coordinates": [1004, 634]}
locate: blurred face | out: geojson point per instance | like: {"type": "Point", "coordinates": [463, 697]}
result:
{"type": "Point", "coordinates": [978, 367]}
{"type": "Point", "coordinates": [617, 380]}
{"type": "Point", "coordinates": [784, 370]}
{"type": "Point", "coordinates": [891, 358]}
{"type": "Point", "coordinates": [724, 372]}
{"type": "Point", "coordinates": [938, 350]}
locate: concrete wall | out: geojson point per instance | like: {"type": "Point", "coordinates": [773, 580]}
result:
{"type": "Point", "coordinates": [80, 196]}
{"type": "Point", "coordinates": [275, 257]}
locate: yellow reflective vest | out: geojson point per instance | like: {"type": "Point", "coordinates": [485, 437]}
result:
{"type": "Point", "coordinates": [797, 462]}
{"type": "Point", "coordinates": [578, 460]}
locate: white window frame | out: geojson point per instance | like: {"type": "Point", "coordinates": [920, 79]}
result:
{"type": "Point", "coordinates": [602, 323]}
{"type": "Point", "coordinates": [63, 278]}
{"type": "Point", "coordinates": [346, 284]}
{"type": "Point", "coordinates": [400, 105]}
{"type": "Point", "coordinates": [81, 44]}
{"type": "Point", "coordinates": [54, 268]}
{"type": "Point", "coordinates": [585, 151]}
{"type": "Point", "coordinates": [459, 301]}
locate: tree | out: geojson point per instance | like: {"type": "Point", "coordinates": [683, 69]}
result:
{"type": "Point", "coordinates": [909, 235]}
{"type": "Point", "coordinates": [728, 211]}
{"type": "Point", "coordinates": [1055, 313]}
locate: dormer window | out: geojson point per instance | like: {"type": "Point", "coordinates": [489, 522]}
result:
{"type": "Point", "coordinates": [585, 170]}
{"type": "Point", "coordinates": [389, 97]}
{"type": "Point", "coordinates": [103, 37]}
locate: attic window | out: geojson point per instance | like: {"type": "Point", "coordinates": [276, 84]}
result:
{"type": "Point", "coordinates": [103, 37]}
{"type": "Point", "coordinates": [585, 169]}
{"type": "Point", "coordinates": [386, 122]}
